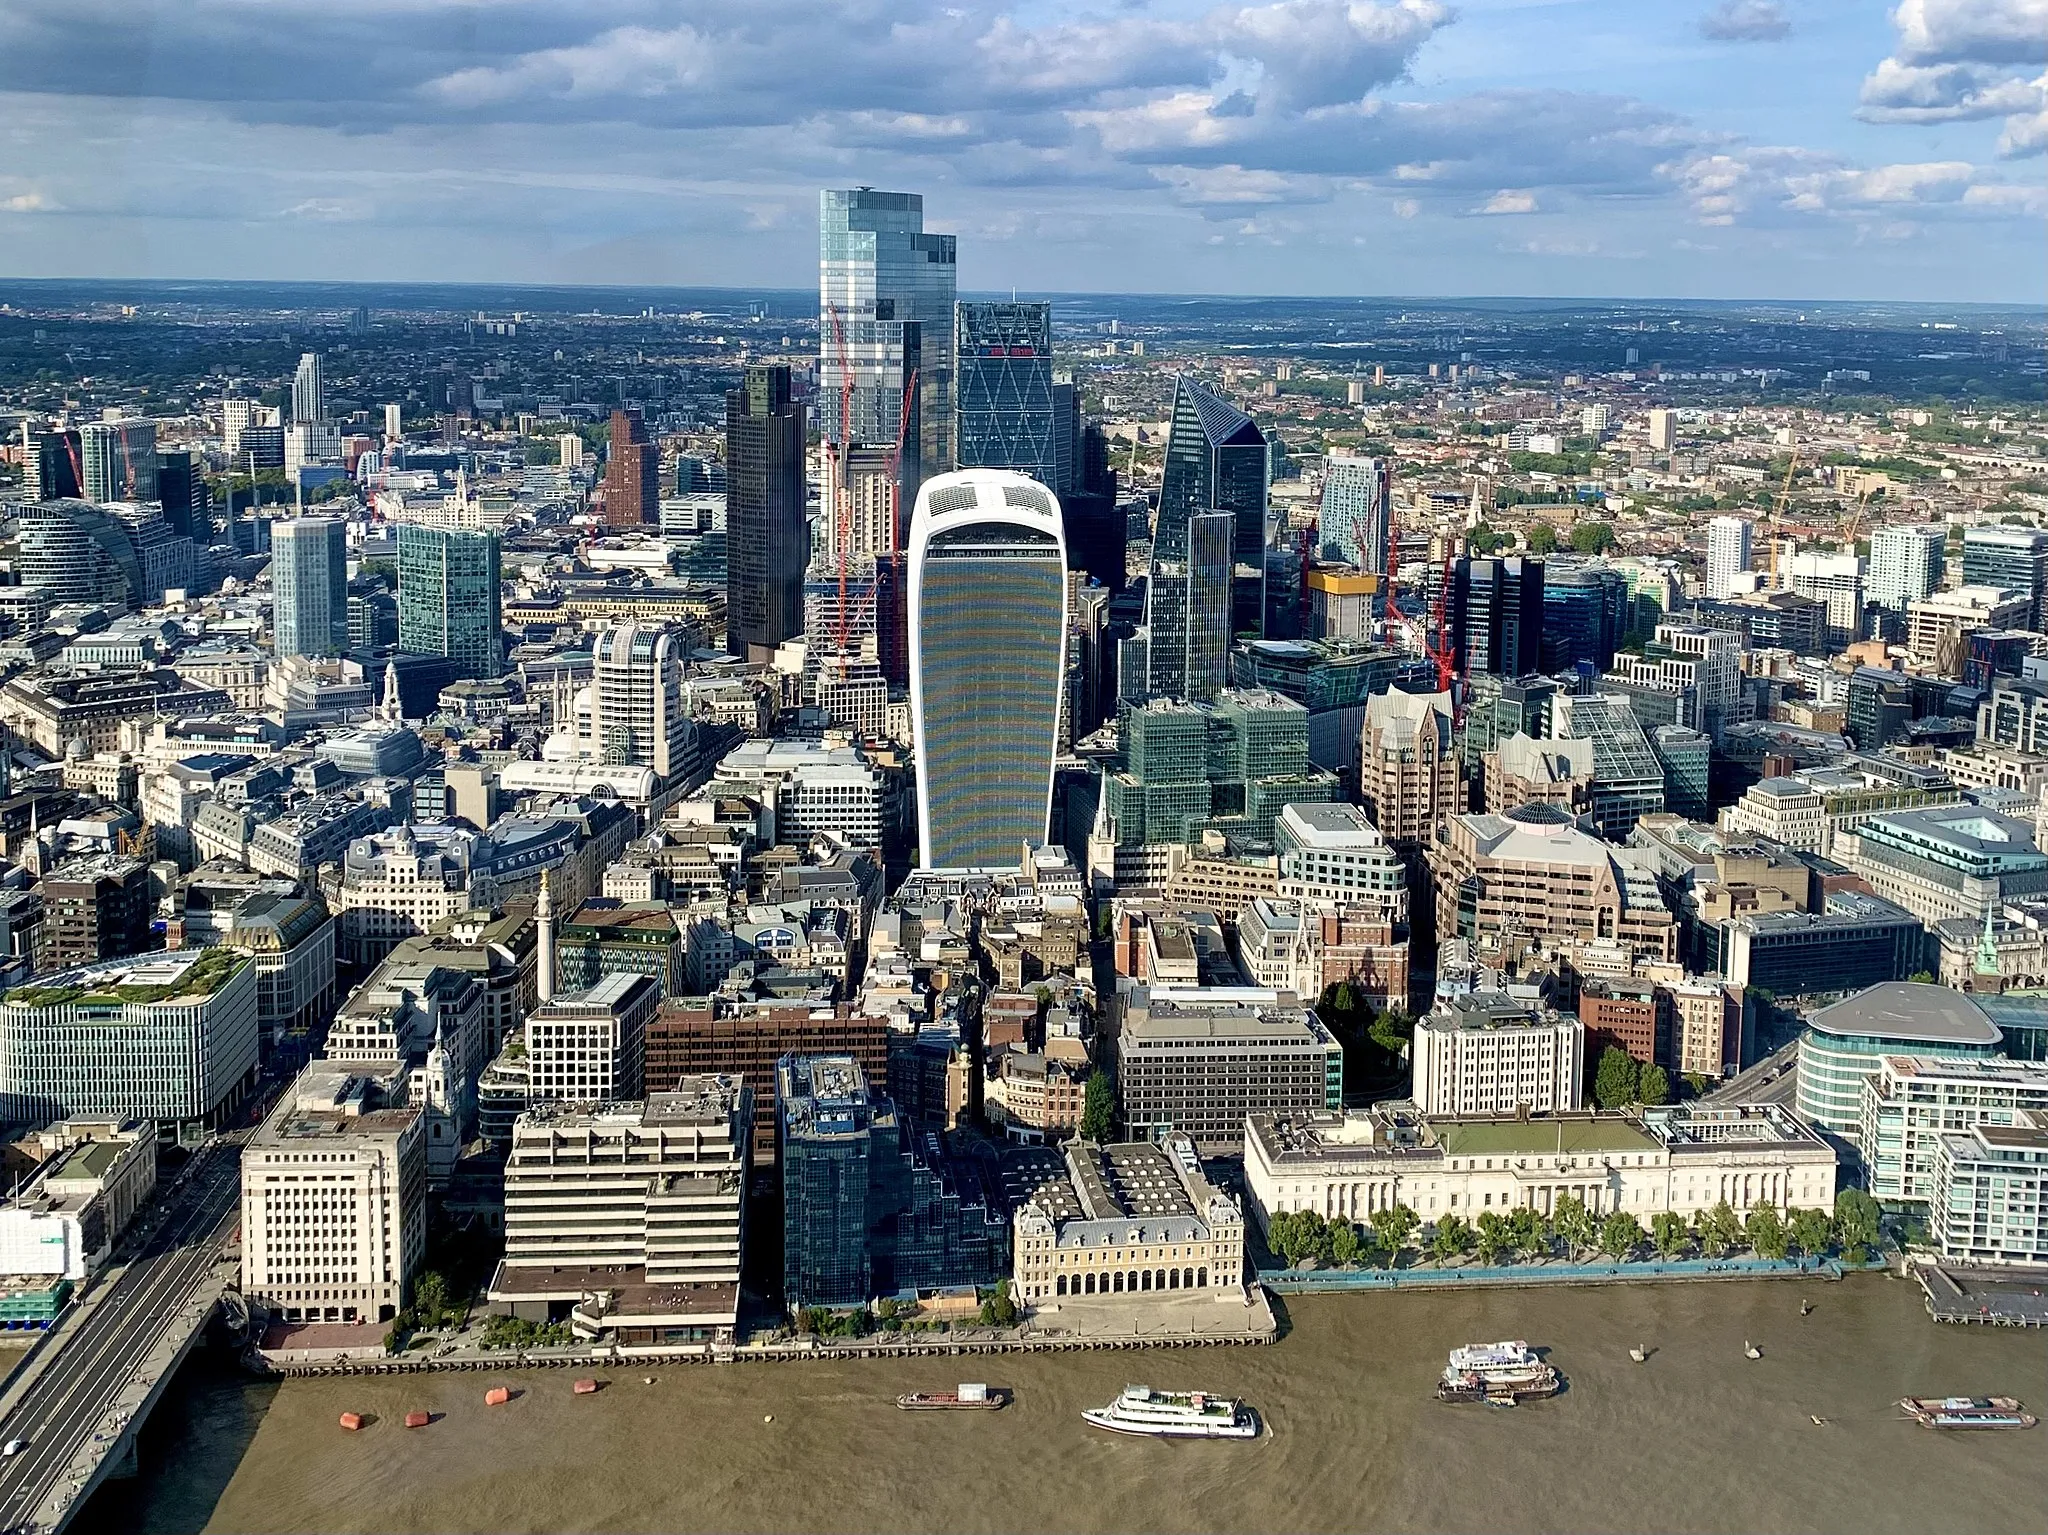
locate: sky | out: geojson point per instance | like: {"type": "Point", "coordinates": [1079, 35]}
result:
{"type": "Point", "coordinates": [1806, 149]}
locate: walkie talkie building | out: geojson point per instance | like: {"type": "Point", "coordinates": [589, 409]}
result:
{"type": "Point", "coordinates": [988, 641]}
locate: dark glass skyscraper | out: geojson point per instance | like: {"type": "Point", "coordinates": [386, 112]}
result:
{"type": "Point", "coordinates": [181, 488]}
{"type": "Point", "coordinates": [1585, 615]}
{"type": "Point", "coordinates": [988, 614]}
{"type": "Point", "coordinates": [1004, 379]}
{"type": "Point", "coordinates": [449, 597]}
{"type": "Point", "coordinates": [1496, 616]}
{"type": "Point", "coordinates": [767, 536]}
{"type": "Point", "coordinates": [1216, 461]}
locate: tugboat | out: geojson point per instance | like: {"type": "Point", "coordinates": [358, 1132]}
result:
{"type": "Point", "coordinates": [1967, 1412]}
{"type": "Point", "coordinates": [972, 1396]}
{"type": "Point", "coordinates": [1175, 1415]}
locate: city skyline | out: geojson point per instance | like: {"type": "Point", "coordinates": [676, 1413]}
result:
{"type": "Point", "coordinates": [1737, 149]}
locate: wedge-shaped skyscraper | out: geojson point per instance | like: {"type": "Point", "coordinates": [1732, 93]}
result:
{"type": "Point", "coordinates": [988, 619]}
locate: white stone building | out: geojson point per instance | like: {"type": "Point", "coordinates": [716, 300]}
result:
{"type": "Point", "coordinates": [1486, 1053]}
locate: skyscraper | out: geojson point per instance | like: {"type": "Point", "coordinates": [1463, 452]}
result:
{"type": "Point", "coordinates": [449, 597]}
{"type": "Point", "coordinates": [767, 536]}
{"type": "Point", "coordinates": [1005, 383]}
{"type": "Point", "coordinates": [181, 489]}
{"type": "Point", "coordinates": [637, 715]}
{"type": "Point", "coordinates": [2014, 558]}
{"type": "Point", "coordinates": [1728, 553]}
{"type": "Point", "coordinates": [1496, 616]}
{"type": "Point", "coordinates": [1906, 564]}
{"type": "Point", "coordinates": [119, 460]}
{"type": "Point", "coordinates": [309, 579]}
{"type": "Point", "coordinates": [309, 390]}
{"type": "Point", "coordinates": [987, 656]}
{"type": "Point", "coordinates": [49, 464]}
{"type": "Point", "coordinates": [886, 296]}
{"type": "Point", "coordinates": [1216, 461]}
{"type": "Point", "coordinates": [1354, 521]}
{"type": "Point", "coordinates": [632, 474]}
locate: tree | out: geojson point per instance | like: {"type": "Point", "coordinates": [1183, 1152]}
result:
{"type": "Point", "coordinates": [1482, 539]}
{"type": "Point", "coordinates": [1668, 1231]}
{"type": "Point", "coordinates": [1393, 1226]}
{"type": "Point", "coordinates": [998, 1310]}
{"type": "Point", "coordinates": [1813, 1231]}
{"type": "Point", "coordinates": [1923, 977]}
{"type": "Point", "coordinates": [1345, 1248]}
{"type": "Point", "coordinates": [1495, 1236]}
{"type": "Point", "coordinates": [1392, 1031]}
{"type": "Point", "coordinates": [1541, 537]}
{"type": "Point", "coordinates": [1765, 1232]}
{"type": "Point", "coordinates": [1573, 1222]}
{"type": "Point", "coordinates": [1653, 1086]}
{"type": "Point", "coordinates": [1614, 1081]}
{"type": "Point", "coordinates": [1593, 537]}
{"type": "Point", "coordinates": [1097, 1107]}
{"type": "Point", "coordinates": [1620, 1235]}
{"type": "Point", "coordinates": [1453, 1238]}
{"type": "Point", "coordinates": [1528, 1230]}
{"type": "Point", "coordinates": [1856, 1221]}
{"type": "Point", "coordinates": [1719, 1230]}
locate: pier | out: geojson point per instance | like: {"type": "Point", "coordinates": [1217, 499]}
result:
{"type": "Point", "coordinates": [1985, 1297]}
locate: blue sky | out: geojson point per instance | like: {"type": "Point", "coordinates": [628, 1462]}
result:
{"type": "Point", "coordinates": [1683, 148]}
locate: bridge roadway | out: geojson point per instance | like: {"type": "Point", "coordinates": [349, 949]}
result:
{"type": "Point", "coordinates": [79, 1412]}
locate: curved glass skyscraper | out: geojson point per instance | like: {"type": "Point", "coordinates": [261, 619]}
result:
{"type": "Point", "coordinates": [988, 621]}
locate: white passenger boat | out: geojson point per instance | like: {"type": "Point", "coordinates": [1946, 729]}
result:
{"type": "Point", "coordinates": [1175, 1415]}
{"type": "Point", "coordinates": [1493, 1356]}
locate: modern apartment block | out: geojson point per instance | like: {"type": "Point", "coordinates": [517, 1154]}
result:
{"type": "Point", "coordinates": [1486, 1053]}
{"type": "Point", "coordinates": [591, 1046]}
{"type": "Point", "coordinates": [1198, 1059]}
{"type": "Point", "coordinates": [1912, 1101]}
{"type": "Point", "coordinates": [309, 581]}
{"type": "Point", "coordinates": [627, 1220]}
{"type": "Point", "coordinates": [1990, 1196]}
{"type": "Point", "coordinates": [334, 1201]}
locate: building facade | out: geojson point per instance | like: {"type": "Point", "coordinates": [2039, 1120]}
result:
{"type": "Point", "coordinates": [1198, 1059]}
{"type": "Point", "coordinates": [309, 584]}
{"type": "Point", "coordinates": [1485, 1053]}
{"type": "Point", "coordinates": [449, 597]}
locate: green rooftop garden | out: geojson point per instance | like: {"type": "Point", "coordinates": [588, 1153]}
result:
{"type": "Point", "coordinates": [201, 979]}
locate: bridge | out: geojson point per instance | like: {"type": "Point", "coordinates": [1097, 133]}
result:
{"type": "Point", "coordinates": [82, 1396]}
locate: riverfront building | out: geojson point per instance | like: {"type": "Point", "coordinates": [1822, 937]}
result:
{"type": "Point", "coordinates": [334, 1201]}
{"type": "Point", "coordinates": [1126, 1220]}
{"type": "Point", "coordinates": [627, 1220]}
{"type": "Point", "coordinates": [1485, 1053]}
{"type": "Point", "coordinates": [988, 639]}
{"type": "Point", "coordinates": [871, 1206]}
{"type": "Point", "coordinates": [1845, 1044]}
{"type": "Point", "coordinates": [1913, 1101]}
{"type": "Point", "coordinates": [1198, 1059]}
{"type": "Point", "coordinates": [1686, 1159]}
{"type": "Point", "coordinates": [1990, 1201]}
{"type": "Point", "coordinates": [170, 1037]}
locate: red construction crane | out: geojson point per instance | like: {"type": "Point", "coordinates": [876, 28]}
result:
{"type": "Point", "coordinates": [77, 469]}
{"type": "Point", "coordinates": [1435, 641]}
{"type": "Point", "coordinates": [837, 456]}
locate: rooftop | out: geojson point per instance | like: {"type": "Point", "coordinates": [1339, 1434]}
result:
{"type": "Point", "coordinates": [1564, 1134]}
{"type": "Point", "coordinates": [1911, 1012]}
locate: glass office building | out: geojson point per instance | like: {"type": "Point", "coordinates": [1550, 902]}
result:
{"type": "Point", "coordinates": [988, 621]}
{"type": "Point", "coordinates": [309, 577]}
{"type": "Point", "coordinates": [1208, 577]}
{"type": "Point", "coordinates": [1496, 616]}
{"type": "Point", "coordinates": [767, 534]}
{"type": "Point", "coordinates": [449, 595]}
{"type": "Point", "coordinates": [870, 1206]}
{"type": "Point", "coordinates": [1004, 377]}
{"type": "Point", "coordinates": [1353, 521]}
{"type": "Point", "coordinates": [1585, 615]}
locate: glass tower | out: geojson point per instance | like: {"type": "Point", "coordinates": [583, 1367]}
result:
{"type": "Point", "coordinates": [449, 591]}
{"type": "Point", "coordinates": [1496, 616]}
{"type": "Point", "coordinates": [886, 297]}
{"type": "Point", "coordinates": [1353, 522]}
{"type": "Point", "coordinates": [767, 533]}
{"type": "Point", "coordinates": [1004, 375]}
{"type": "Point", "coordinates": [988, 640]}
{"type": "Point", "coordinates": [309, 576]}
{"type": "Point", "coordinates": [1216, 461]}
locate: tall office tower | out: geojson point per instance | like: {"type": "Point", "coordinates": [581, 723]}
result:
{"type": "Point", "coordinates": [1728, 552]}
{"type": "Point", "coordinates": [1585, 614]}
{"type": "Point", "coordinates": [1407, 770]}
{"type": "Point", "coordinates": [1004, 379]}
{"type": "Point", "coordinates": [637, 714]}
{"type": "Point", "coordinates": [632, 474]}
{"type": "Point", "coordinates": [309, 390]}
{"type": "Point", "coordinates": [1067, 427]}
{"type": "Point", "coordinates": [1837, 580]}
{"type": "Point", "coordinates": [767, 535]}
{"type": "Point", "coordinates": [988, 645]}
{"type": "Point", "coordinates": [1496, 616]}
{"type": "Point", "coordinates": [1663, 430]}
{"type": "Point", "coordinates": [394, 423]}
{"type": "Point", "coordinates": [49, 464]}
{"type": "Point", "coordinates": [182, 492]}
{"type": "Point", "coordinates": [1906, 564]}
{"type": "Point", "coordinates": [1216, 460]}
{"type": "Point", "coordinates": [309, 575]}
{"type": "Point", "coordinates": [1354, 522]}
{"type": "Point", "coordinates": [2014, 558]}
{"type": "Point", "coordinates": [449, 595]}
{"type": "Point", "coordinates": [886, 295]}
{"type": "Point", "coordinates": [236, 417]}
{"type": "Point", "coordinates": [873, 515]}
{"type": "Point", "coordinates": [118, 459]}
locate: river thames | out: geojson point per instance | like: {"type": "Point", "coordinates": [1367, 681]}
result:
{"type": "Point", "coordinates": [1699, 1437]}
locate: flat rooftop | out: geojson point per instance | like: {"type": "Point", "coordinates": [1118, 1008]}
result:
{"type": "Point", "coordinates": [1565, 1135]}
{"type": "Point", "coordinates": [1910, 1011]}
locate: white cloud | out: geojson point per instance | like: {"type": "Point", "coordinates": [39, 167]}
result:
{"type": "Point", "coordinates": [1957, 60]}
{"type": "Point", "coordinates": [1746, 21]}
{"type": "Point", "coordinates": [1508, 202]}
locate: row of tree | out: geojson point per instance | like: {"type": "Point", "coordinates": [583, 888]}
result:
{"type": "Point", "coordinates": [1502, 1236]}
{"type": "Point", "coordinates": [1620, 1079]}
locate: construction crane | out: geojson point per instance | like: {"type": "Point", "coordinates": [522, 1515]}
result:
{"type": "Point", "coordinates": [1778, 515]}
{"type": "Point", "coordinates": [1435, 643]}
{"type": "Point", "coordinates": [1855, 520]}
{"type": "Point", "coordinates": [895, 461]}
{"type": "Point", "coordinates": [837, 455]}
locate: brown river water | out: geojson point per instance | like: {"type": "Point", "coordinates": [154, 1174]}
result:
{"type": "Point", "coordinates": [1698, 1438]}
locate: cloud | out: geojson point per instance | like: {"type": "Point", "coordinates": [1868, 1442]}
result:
{"type": "Point", "coordinates": [28, 202]}
{"type": "Point", "coordinates": [1508, 202]}
{"type": "Point", "coordinates": [1746, 21]}
{"type": "Point", "coordinates": [1960, 60]}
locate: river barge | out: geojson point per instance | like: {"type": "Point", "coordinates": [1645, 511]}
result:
{"type": "Point", "coordinates": [1967, 1411]}
{"type": "Point", "coordinates": [972, 1396]}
